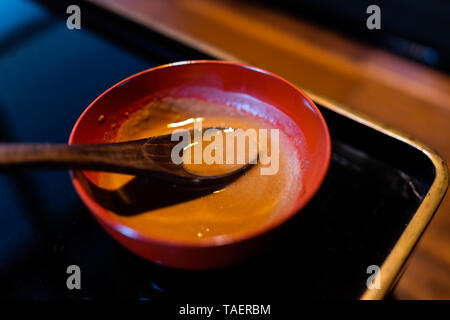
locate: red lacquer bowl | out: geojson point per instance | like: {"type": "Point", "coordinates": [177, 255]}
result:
{"type": "Point", "coordinates": [221, 82]}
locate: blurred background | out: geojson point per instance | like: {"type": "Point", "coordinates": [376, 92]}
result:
{"type": "Point", "coordinates": [398, 74]}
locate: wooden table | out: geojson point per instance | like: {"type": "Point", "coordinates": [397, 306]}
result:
{"type": "Point", "coordinates": [396, 91]}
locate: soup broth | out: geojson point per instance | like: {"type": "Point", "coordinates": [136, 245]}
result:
{"type": "Point", "coordinates": [241, 207]}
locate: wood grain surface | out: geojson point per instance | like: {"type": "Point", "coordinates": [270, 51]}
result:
{"type": "Point", "coordinates": [394, 90]}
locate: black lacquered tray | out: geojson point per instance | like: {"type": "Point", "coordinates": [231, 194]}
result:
{"type": "Point", "coordinates": [379, 194]}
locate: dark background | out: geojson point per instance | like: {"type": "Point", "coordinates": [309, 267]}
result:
{"type": "Point", "coordinates": [416, 29]}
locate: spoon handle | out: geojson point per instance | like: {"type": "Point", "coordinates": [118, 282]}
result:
{"type": "Point", "coordinates": [102, 157]}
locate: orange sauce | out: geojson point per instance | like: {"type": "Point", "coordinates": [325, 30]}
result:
{"type": "Point", "coordinates": [245, 205]}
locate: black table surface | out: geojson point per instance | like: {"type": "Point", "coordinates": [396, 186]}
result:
{"type": "Point", "coordinates": [50, 74]}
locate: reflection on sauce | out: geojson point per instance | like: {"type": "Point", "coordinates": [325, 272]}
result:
{"type": "Point", "coordinates": [165, 211]}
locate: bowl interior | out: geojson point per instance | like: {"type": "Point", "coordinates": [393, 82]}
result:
{"type": "Point", "coordinates": [222, 82]}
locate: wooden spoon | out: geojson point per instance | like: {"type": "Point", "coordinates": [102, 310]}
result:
{"type": "Point", "coordinates": [150, 157]}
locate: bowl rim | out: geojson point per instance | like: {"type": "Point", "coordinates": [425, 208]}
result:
{"type": "Point", "coordinates": [102, 214]}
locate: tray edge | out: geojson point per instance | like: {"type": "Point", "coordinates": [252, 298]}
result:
{"type": "Point", "coordinates": [392, 267]}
